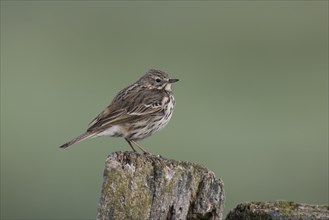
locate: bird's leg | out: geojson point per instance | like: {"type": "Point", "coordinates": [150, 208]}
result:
{"type": "Point", "coordinates": [130, 144]}
{"type": "Point", "coordinates": [140, 147]}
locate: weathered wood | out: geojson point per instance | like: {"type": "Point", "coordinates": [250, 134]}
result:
{"type": "Point", "coordinates": [140, 186]}
{"type": "Point", "coordinates": [278, 210]}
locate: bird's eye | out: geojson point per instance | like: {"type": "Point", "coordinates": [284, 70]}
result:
{"type": "Point", "coordinates": [158, 80]}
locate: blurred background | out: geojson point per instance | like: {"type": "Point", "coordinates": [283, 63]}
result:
{"type": "Point", "coordinates": [252, 100]}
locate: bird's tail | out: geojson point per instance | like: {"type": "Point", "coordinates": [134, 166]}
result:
{"type": "Point", "coordinates": [78, 139]}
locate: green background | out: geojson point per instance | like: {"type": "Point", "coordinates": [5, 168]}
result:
{"type": "Point", "coordinates": [252, 101]}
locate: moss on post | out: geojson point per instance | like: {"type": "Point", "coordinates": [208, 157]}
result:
{"type": "Point", "coordinates": [150, 187]}
{"type": "Point", "coordinates": [279, 210]}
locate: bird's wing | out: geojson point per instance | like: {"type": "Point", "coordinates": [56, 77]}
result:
{"type": "Point", "coordinates": [128, 106]}
{"type": "Point", "coordinates": [109, 118]}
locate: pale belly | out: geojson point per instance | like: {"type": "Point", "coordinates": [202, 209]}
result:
{"type": "Point", "coordinates": [114, 131]}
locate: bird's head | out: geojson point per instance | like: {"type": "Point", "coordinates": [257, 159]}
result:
{"type": "Point", "coordinates": [156, 79]}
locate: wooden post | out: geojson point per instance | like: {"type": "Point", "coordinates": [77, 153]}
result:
{"type": "Point", "coordinates": [277, 210]}
{"type": "Point", "coordinates": [138, 186]}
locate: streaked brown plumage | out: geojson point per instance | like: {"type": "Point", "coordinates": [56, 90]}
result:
{"type": "Point", "coordinates": [136, 112]}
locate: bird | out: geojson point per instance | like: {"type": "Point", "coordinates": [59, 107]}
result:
{"type": "Point", "coordinates": [136, 112]}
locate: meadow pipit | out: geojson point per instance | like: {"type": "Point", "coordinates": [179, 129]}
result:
{"type": "Point", "coordinates": [136, 112]}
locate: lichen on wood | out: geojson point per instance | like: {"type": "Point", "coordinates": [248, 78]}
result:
{"type": "Point", "coordinates": [278, 210]}
{"type": "Point", "coordinates": [139, 186]}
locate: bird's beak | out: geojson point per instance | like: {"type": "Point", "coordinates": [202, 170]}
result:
{"type": "Point", "coordinates": [173, 80]}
